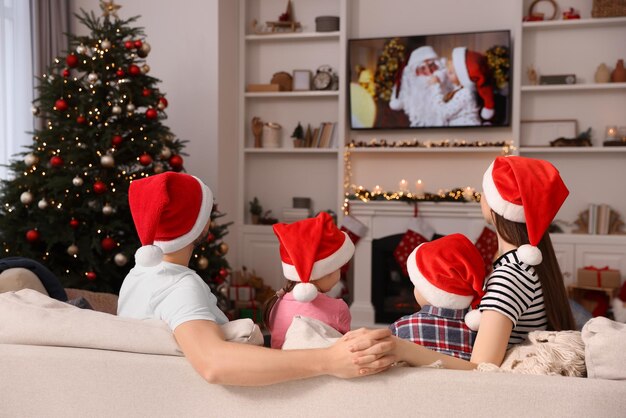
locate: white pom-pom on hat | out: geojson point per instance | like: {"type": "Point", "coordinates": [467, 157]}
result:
{"type": "Point", "coordinates": [304, 292]}
{"type": "Point", "coordinates": [148, 256]}
{"type": "Point", "coordinates": [529, 254]}
{"type": "Point", "coordinates": [472, 319]}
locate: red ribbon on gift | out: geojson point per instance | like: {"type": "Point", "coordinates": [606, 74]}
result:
{"type": "Point", "coordinates": [598, 272]}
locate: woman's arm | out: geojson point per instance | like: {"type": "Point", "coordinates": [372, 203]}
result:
{"type": "Point", "coordinates": [228, 363]}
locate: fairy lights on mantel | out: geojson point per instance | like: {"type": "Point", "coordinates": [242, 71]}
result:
{"type": "Point", "coordinates": [506, 146]}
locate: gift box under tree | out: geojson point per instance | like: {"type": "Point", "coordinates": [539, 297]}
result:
{"type": "Point", "coordinates": [604, 277]}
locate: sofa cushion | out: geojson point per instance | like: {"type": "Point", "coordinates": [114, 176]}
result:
{"type": "Point", "coordinates": [605, 348]}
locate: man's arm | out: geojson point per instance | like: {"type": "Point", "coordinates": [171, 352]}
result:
{"type": "Point", "coordinates": [228, 363]}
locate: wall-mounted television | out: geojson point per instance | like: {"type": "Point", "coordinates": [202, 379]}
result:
{"type": "Point", "coordinates": [430, 81]}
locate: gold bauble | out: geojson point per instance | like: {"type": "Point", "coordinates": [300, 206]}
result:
{"type": "Point", "coordinates": [223, 248]}
{"type": "Point", "coordinates": [203, 263]}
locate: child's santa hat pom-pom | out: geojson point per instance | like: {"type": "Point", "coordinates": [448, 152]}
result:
{"type": "Point", "coordinates": [148, 256]}
{"type": "Point", "coordinates": [619, 310]}
{"type": "Point", "coordinates": [472, 319]}
{"type": "Point", "coordinates": [529, 254]}
{"type": "Point", "coordinates": [304, 292]}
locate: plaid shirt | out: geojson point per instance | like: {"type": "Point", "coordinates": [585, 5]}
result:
{"type": "Point", "coordinates": [439, 329]}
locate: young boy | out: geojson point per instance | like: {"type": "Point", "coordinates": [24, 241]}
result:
{"type": "Point", "coordinates": [172, 212]}
{"type": "Point", "coordinates": [448, 275]}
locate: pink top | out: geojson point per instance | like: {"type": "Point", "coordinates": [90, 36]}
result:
{"type": "Point", "coordinates": [333, 312]}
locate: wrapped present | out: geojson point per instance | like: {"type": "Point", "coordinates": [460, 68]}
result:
{"type": "Point", "coordinates": [251, 309]}
{"type": "Point", "coordinates": [599, 277]}
{"type": "Point", "coordinates": [239, 278]}
{"type": "Point", "coordinates": [241, 293]}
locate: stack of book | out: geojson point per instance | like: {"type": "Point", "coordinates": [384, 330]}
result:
{"type": "Point", "coordinates": [324, 136]}
{"type": "Point", "coordinates": [599, 219]}
{"type": "Point", "coordinates": [295, 214]}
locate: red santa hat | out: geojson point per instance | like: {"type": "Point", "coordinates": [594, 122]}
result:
{"type": "Point", "coordinates": [472, 70]}
{"type": "Point", "coordinates": [449, 272]}
{"type": "Point", "coordinates": [309, 250]}
{"type": "Point", "coordinates": [170, 211]}
{"type": "Point", "coordinates": [527, 191]}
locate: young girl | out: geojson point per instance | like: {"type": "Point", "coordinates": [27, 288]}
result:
{"type": "Point", "coordinates": [312, 252]}
{"type": "Point", "coordinates": [525, 292]}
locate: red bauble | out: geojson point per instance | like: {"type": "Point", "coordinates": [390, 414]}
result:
{"type": "Point", "coordinates": [138, 44]}
{"type": "Point", "coordinates": [120, 73]}
{"type": "Point", "coordinates": [176, 161]}
{"type": "Point", "coordinates": [56, 161]}
{"type": "Point", "coordinates": [108, 244]}
{"type": "Point", "coordinates": [151, 114]}
{"type": "Point", "coordinates": [210, 237]}
{"type": "Point", "coordinates": [90, 275]}
{"type": "Point", "coordinates": [32, 235]}
{"type": "Point", "coordinates": [66, 73]}
{"type": "Point", "coordinates": [61, 105]}
{"type": "Point", "coordinates": [74, 223]}
{"type": "Point", "coordinates": [81, 119]}
{"type": "Point", "coordinates": [134, 70]}
{"type": "Point", "coordinates": [129, 44]}
{"type": "Point", "coordinates": [99, 187]}
{"type": "Point", "coordinates": [146, 92]}
{"type": "Point", "coordinates": [163, 102]}
{"type": "Point", "coordinates": [117, 140]}
{"type": "Point", "coordinates": [223, 272]}
{"type": "Point", "coordinates": [145, 159]}
{"type": "Point", "coordinates": [71, 60]}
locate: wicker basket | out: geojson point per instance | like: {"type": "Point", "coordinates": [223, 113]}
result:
{"type": "Point", "coordinates": [608, 8]}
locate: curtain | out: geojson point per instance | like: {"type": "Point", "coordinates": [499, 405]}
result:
{"type": "Point", "coordinates": [51, 21]}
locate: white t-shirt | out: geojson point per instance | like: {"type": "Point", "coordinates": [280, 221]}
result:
{"type": "Point", "coordinates": [170, 292]}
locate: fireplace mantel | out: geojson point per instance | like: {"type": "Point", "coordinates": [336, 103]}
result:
{"type": "Point", "coordinates": [387, 218]}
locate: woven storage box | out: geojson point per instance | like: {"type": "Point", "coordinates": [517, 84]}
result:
{"type": "Point", "coordinates": [327, 23]}
{"type": "Point", "coordinates": [608, 8]}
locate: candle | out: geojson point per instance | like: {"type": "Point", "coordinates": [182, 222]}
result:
{"type": "Point", "coordinates": [377, 190]}
{"type": "Point", "coordinates": [611, 132]}
{"type": "Point", "coordinates": [468, 193]}
{"type": "Point", "coordinates": [404, 186]}
{"type": "Point", "coordinates": [419, 188]}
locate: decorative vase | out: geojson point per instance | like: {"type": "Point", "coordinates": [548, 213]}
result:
{"type": "Point", "coordinates": [619, 73]}
{"type": "Point", "coordinates": [271, 135]}
{"type": "Point", "coordinates": [603, 74]}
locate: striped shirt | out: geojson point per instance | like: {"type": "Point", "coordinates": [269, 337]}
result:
{"type": "Point", "coordinates": [514, 290]}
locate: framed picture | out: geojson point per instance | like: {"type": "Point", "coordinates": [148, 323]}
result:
{"type": "Point", "coordinates": [301, 80]}
{"type": "Point", "coordinates": [539, 133]}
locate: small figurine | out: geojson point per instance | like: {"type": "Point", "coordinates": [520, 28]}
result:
{"type": "Point", "coordinates": [571, 13]}
{"type": "Point", "coordinates": [582, 140]}
{"type": "Point", "coordinates": [257, 131]}
{"type": "Point", "coordinates": [533, 78]}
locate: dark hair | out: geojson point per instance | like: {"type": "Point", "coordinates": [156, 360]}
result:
{"type": "Point", "coordinates": [555, 299]}
{"type": "Point", "coordinates": [269, 304]}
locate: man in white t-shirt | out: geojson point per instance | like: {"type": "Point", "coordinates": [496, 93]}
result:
{"type": "Point", "coordinates": [172, 212]}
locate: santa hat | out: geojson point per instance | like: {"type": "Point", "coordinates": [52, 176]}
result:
{"type": "Point", "coordinates": [527, 191]}
{"type": "Point", "coordinates": [170, 211]}
{"type": "Point", "coordinates": [309, 250]}
{"type": "Point", "coordinates": [449, 273]}
{"type": "Point", "coordinates": [472, 70]}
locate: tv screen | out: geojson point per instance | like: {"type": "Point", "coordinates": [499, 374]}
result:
{"type": "Point", "coordinates": [430, 81]}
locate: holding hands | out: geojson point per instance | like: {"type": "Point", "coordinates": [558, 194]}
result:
{"type": "Point", "coordinates": [364, 352]}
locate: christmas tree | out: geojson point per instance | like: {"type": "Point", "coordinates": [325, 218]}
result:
{"type": "Point", "coordinates": [66, 203]}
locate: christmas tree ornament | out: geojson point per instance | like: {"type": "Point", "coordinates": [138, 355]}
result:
{"type": "Point", "coordinates": [107, 209]}
{"type": "Point", "coordinates": [162, 103]}
{"type": "Point", "coordinates": [117, 140]}
{"type": "Point", "coordinates": [61, 105]}
{"type": "Point", "coordinates": [81, 120]}
{"type": "Point", "coordinates": [166, 153]}
{"type": "Point", "coordinates": [35, 110]}
{"type": "Point", "coordinates": [77, 181]}
{"type": "Point", "coordinates": [71, 60]}
{"type": "Point", "coordinates": [56, 161]}
{"type": "Point", "coordinates": [66, 73]}
{"type": "Point", "coordinates": [80, 49]}
{"type": "Point", "coordinates": [72, 250]}
{"type": "Point", "coordinates": [105, 44]}
{"type": "Point", "coordinates": [176, 162]}
{"type": "Point", "coordinates": [26, 198]}
{"type": "Point", "coordinates": [91, 276]}
{"type": "Point", "coordinates": [210, 237]}
{"type": "Point", "coordinates": [120, 73]}
{"type": "Point", "coordinates": [146, 92]}
{"type": "Point", "coordinates": [151, 114]}
{"type": "Point", "coordinates": [129, 45]}
{"type": "Point", "coordinates": [31, 159]}
{"type": "Point", "coordinates": [223, 248]}
{"type": "Point", "coordinates": [42, 204]}
{"type": "Point", "coordinates": [134, 70]}
{"type": "Point", "coordinates": [107, 161]}
{"type": "Point", "coordinates": [158, 168]}
{"type": "Point", "coordinates": [203, 262]}
{"type": "Point", "coordinates": [92, 204]}
{"type": "Point", "coordinates": [120, 259]}
{"type": "Point", "coordinates": [223, 273]}
{"type": "Point", "coordinates": [145, 69]}
{"type": "Point", "coordinates": [92, 77]}
{"type": "Point", "coordinates": [145, 48]}
{"type": "Point", "coordinates": [74, 223]}
{"type": "Point", "coordinates": [138, 44]}
{"type": "Point", "coordinates": [130, 108]}
{"type": "Point", "coordinates": [116, 110]}
{"type": "Point", "coordinates": [32, 235]}
{"type": "Point", "coordinates": [145, 159]}
{"type": "Point", "coordinates": [108, 244]}
{"type": "Point", "coordinates": [212, 225]}
{"type": "Point", "coordinates": [99, 187]}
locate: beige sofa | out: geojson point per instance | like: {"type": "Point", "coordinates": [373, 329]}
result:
{"type": "Point", "coordinates": [58, 360]}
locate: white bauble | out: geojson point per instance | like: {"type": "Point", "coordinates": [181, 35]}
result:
{"type": "Point", "coordinates": [160, 106]}
{"type": "Point", "coordinates": [30, 159]}
{"type": "Point", "coordinates": [107, 209]}
{"type": "Point", "coordinates": [72, 249]}
{"type": "Point", "coordinates": [81, 49]}
{"type": "Point", "coordinates": [145, 47]}
{"type": "Point", "coordinates": [92, 77]}
{"type": "Point", "coordinates": [42, 204]}
{"type": "Point", "coordinates": [106, 44]}
{"type": "Point", "coordinates": [107, 161]}
{"type": "Point", "coordinates": [120, 259]}
{"type": "Point", "coordinates": [166, 153]}
{"type": "Point", "coordinates": [116, 110]}
{"type": "Point", "coordinates": [130, 107]}
{"type": "Point", "coordinates": [35, 110]}
{"type": "Point", "coordinates": [145, 69]}
{"type": "Point", "coordinates": [77, 181]}
{"type": "Point", "coordinates": [26, 198]}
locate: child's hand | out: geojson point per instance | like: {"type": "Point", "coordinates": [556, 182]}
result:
{"type": "Point", "coordinates": [371, 347]}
